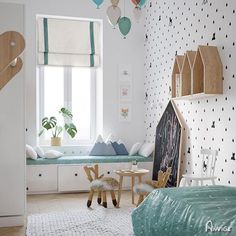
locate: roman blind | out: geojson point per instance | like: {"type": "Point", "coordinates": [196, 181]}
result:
{"type": "Point", "coordinates": [65, 42]}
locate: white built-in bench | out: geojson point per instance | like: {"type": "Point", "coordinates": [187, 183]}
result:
{"type": "Point", "coordinates": [66, 174]}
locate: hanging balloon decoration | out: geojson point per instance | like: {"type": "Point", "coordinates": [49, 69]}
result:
{"type": "Point", "coordinates": [113, 14]}
{"type": "Point", "coordinates": [115, 3]}
{"type": "Point", "coordinates": [136, 2]}
{"type": "Point", "coordinates": [139, 3]}
{"type": "Point", "coordinates": [124, 25]}
{"type": "Point", "coordinates": [137, 13]}
{"type": "Point", "coordinates": [142, 2]}
{"type": "Point", "coordinates": [98, 2]}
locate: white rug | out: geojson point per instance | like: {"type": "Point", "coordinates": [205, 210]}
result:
{"type": "Point", "coordinates": [86, 222]}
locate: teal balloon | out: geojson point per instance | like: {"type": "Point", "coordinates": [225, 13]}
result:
{"type": "Point", "coordinates": [124, 25]}
{"type": "Point", "coordinates": [98, 2]}
{"type": "Point", "coordinates": [142, 2]}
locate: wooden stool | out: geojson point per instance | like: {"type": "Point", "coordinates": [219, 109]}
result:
{"type": "Point", "coordinates": [101, 185]}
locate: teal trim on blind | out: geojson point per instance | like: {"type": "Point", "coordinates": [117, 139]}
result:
{"type": "Point", "coordinates": [45, 27]}
{"type": "Point", "coordinates": [92, 45]}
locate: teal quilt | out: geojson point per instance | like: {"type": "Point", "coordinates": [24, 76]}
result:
{"type": "Point", "coordinates": [187, 211]}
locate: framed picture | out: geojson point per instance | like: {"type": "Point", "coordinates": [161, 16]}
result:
{"type": "Point", "coordinates": [125, 72]}
{"type": "Point", "coordinates": [125, 112]}
{"type": "Point", "coordinates": [125, 92]}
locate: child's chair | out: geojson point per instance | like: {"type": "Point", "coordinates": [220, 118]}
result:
{"type": "Point", "coordinates": [207, 170]}
{"type": "Point", "coordinates": [145, 188]}
{"type": "Point", "coordinates": [101, 185]}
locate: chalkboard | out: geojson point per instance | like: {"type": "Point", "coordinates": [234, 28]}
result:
{"type": "Point", "coordinates": [168, 145]}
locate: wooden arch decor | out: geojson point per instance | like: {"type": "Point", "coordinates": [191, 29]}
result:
{"type": "Point", "coordinates": [12, 44]}
{"type": "Point", "coordinates": [168, 145]}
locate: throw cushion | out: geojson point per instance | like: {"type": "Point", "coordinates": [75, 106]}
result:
{"type": "Point", "coordinates": [99, 139]}
{"type": "Point", "coordinates": [110, 138]}
{"type": "Point", "coordinates": [101, 148]}
{"type": "Point", "coordinates": [134, 149]}
{"type": "Point", "coordinates": [51, 154]}
{"type": "Point", "coordinates": [119, 148]}
{"type": "Point", "coordinates": [30, 152]}
{"type": "Point", "coordinates": [146, 149]}
{"type": "Point", "coordinates": [39, 151]}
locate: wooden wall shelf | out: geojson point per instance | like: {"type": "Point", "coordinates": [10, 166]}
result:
{"type": "Point", "coordinates": [200, 74]}
{"type": "Point", "coordinates": [176, 71]}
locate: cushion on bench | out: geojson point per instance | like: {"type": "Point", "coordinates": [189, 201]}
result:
{"type": "Point", "coordinates": [88, 159]}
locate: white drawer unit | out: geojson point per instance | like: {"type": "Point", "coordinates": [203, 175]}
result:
{"type": "Point", "coordinates": [72, 178]}
{"type": "Point", "coordinates": [42, 178]}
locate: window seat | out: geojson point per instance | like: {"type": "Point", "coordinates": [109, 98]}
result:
{"type": "Point", "coordinates": [88, 159]}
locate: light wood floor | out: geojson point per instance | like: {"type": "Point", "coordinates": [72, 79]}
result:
{"type": "Point", "coordinates": [59, 202]}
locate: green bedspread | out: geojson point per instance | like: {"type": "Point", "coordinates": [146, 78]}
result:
{"type": "Point", "coordinates": [186, 211]}
{"type": "Point", "coordinates": [88, 159]}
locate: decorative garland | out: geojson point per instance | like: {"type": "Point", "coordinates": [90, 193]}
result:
{"type": "Point", "coordinates": [114, 14]}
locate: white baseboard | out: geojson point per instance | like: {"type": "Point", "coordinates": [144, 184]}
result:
{"type": "Point", "coordinates": [11, 221]}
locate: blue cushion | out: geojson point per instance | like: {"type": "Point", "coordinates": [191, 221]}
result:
{"type": "Point", "coordinates": [120, 148]}
{"type": "Point", "coordinates": [102, 149]}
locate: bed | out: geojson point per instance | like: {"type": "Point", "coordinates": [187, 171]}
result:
{"type": "Point", "coordinates": [187, 211]}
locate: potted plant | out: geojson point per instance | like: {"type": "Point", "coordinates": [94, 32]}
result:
{"type": "Point", "coordinates": [50, 123]}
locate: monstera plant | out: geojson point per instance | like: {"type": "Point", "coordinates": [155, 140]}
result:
{"type": "Point", "coordinates": [51, 123]}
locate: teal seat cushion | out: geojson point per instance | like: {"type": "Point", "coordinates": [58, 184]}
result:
{"type": "Point", "coordinates": [88, 159]}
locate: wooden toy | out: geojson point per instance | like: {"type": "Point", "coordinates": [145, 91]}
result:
{"type": "Point", "coordinates": [12, 44]}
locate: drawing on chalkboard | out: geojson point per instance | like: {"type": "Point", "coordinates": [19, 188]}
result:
{"type": "Point", "coordinates": [168, 145]}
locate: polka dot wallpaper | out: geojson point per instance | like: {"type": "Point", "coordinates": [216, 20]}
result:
{"type": "Point", "coordinates": [172, 27]}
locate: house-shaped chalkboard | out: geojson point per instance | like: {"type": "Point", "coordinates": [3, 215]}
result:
{"type": "Point", "coordinates": [168, 145]}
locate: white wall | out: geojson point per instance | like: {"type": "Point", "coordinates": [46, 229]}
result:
{"type": "Point", "coordinates": [116, 51]}
{"type": "Point", "coordinates": [12, 127]}
{"type": "Point", "coordinates": [193, 24]}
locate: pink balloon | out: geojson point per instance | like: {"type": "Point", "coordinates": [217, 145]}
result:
{"type": "Point", "coordinates": [136, 2]}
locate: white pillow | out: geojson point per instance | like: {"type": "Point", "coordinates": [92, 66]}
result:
{"type": "Point", "coordinates": [30, 152]}
{"type": "Point", "coordinates": [39, 151]}
{"type": "Point", "coordinates": [146, 150]}
{"type": "Point", "coordinates": [134, 149]}
{"type": "Point", "coordinates": [52, 154]}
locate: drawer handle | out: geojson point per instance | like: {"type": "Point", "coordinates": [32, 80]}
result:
{"type": "Point", "coordinates": [27, 189]}
{"type": "Point", "coordinates": [40, 175]}
{"type": "Point", "coordinates": [76, 174]}
{"type": "Point", "coordinates": [108, 172]}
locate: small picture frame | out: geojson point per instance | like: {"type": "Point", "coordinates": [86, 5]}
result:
{"type": "Point", "coordinates": [125, 112]}
{"type": "Point", "coordinates": [125, 92]}
{"type": "Point", "coordinates": [125, 72]}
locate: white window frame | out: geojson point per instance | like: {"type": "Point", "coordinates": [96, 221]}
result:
{"type": "Point", "coordinates": [67, 141]}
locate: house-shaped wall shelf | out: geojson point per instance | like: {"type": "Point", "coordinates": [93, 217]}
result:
{"type": "Point", "coordinates": [176, 72]}
{"type": "Point", "coordinates": [201, 74]}
{"type": "Point", "coordinates": [186, 73]}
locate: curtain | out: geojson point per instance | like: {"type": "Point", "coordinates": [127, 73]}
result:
{"type": "Point", "coordinates": [64, 42]}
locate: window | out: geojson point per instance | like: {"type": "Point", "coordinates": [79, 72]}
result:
{"type": "Point", "coordinates": [75, 89]}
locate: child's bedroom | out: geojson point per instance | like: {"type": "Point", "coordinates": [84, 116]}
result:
{"type": "Point", "coordinates": [117, 117]}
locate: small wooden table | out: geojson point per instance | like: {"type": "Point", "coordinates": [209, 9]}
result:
{"type": "Point", "coordinates": [130, 173]}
